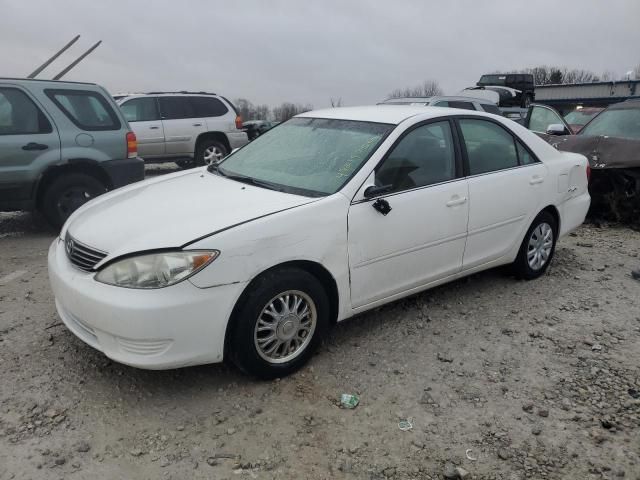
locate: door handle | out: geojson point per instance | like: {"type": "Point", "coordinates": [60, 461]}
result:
{"type": "Point", "coordinates": [572, 189]}
{"type": "Point", "coordinates": [34, 146]}
{"type": "Point", "coordinates": [155, 127]}
{"type": "Point", "coordinates": [535, 180]}
{"type": "Point", "coordinates": [197, 124]}
{"type": "Point", "coordinates": [456, 201]}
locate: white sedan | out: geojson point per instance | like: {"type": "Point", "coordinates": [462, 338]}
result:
{"type": "Point", "coordinates": [325, 216]}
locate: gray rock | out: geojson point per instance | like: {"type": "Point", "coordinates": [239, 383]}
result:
{"type": "Point", "coordinates": [504, 454]}
{"type": "Point", "coordinates": [537, 430]}
{"type": "Point", "coordinates": [462, 473]}
{"type": "Point", "coordinates": [83, 447]}
{"type": "Point", "coordinates": [450, 472]}
{"type": "Point", "coordinates": [543, 413]}
{"type": "Point", "coordinates": [528, 407]}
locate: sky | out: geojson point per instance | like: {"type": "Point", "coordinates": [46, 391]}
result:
{"type": "Point", "coordinates": [311, 51]}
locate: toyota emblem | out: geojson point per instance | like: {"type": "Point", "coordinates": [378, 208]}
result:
{"type": "Point", "coordinates": [69, 246]}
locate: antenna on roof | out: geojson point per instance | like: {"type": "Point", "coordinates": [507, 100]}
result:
{"type": "Point", "coordinates": [48, 62]}
{"type": "Point", "coordinates": [77, 61]}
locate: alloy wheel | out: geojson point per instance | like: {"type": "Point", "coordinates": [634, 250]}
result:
{"type": "Point", "coordinates": [540, 246]}
{"type": "Point", "coordinates": [285, 326]}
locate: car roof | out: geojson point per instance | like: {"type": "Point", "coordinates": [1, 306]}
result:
{"type": "Point", "coordinates": [439, 98]}
{"type": "Point", "coordinates": [392, 114]}
{"type": "Point", "coordinates": [47, 82]}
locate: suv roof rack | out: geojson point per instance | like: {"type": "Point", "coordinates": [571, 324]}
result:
{"type": "Point", "coordinates": [45, 80]}
{"type": "Point", "coordinates": [183, 92]}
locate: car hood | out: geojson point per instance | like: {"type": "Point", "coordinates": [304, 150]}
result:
{"type": "Point", "coordinates": [172, 212]}
{"type": "Point", "coordinates": [602, 151]}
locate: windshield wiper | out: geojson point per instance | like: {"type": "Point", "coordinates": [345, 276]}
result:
{"type": "Point", "coordinates": [214, 168]}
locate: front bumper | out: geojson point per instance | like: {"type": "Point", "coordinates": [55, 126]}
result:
{"type": "Point", "coordinates": [124, 171]}
{"type": "Point", "coordinates": [170, 327]}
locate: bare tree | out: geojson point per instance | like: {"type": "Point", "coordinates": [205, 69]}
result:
{"type": "Point", "coordinates": [336, 102]}
{"type": "Point", "coordinates": [249, 111]}
{"type": "Point", "coordinates": [287, 110]}
{"type": "Point", "coordinates": [608, 76]}
{"type": "Point", "coordinates": [636, 72]}
{"type": "Point", "coordinates": [429, 88]}
{"type": "Point", "coordinates": [546, 75]}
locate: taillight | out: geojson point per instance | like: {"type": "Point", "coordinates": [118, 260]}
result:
{"type": "Point", "coordinates": [588, 172]}
{"type": "Point", "coordinates": [238, 122]}
{"type": "Point", "coordinates": [132, 145]}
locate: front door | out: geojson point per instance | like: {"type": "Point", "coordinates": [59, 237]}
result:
{"type": "Point", "coordinates": [422, 237]}
{"type": "Point", "coordinates": [28, 142]}
{"type": "Point", "coordinates": [143, 116]}
{"type": "Point", "coordinates": [505, 187]}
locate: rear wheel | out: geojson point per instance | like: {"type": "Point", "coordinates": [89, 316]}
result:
{"type": "Point", "coordinates": [537, 247]}
{"type": "Point", "coordinates": [210, 151]}
{"type": "Point", "coordinates": [281, 320]}
{"type": "Point", "coordinates": [67, 193]}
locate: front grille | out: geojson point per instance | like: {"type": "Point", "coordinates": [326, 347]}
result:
{"type": "Point", "coordinates": [82, 256]}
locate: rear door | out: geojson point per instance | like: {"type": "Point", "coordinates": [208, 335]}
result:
{"type": "Point", "coordinates": [505, 189]}
{"type": "Point", "coordinates": [28, 142]}
{"type": "Point", "coordinates": [181, 127]}
{"type": "Point", "coordinates": [143, 116]}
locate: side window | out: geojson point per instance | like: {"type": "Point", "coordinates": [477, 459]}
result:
{"type": "Point", "coordinates": [525, 157]}
{"type": "Point", "coordinates": [208, 107]}
{"type": "Point", "coordinates": [489, 108]}
{"type": "Point", "coordinates": [172, 108]}
{"type": "Point", "coordinates": [144, 109]}
{"type": "Point", "coordinates": [541, 118]}
{"type": "Point", "coordinates": [463, 105]}
{"type": "Point", "coordinates": [423, 157]}
{"type": "Point", "coordinates": [489, 146]}
{"type": "Point", "coordinates": [441, 104]}
{"type": "Point", "coordinates": [19, 115]}
{"type": "Point", "coordinates": [87, 110]}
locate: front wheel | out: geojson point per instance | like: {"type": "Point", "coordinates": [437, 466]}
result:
{"type": "Point", "coordinates": [67, 193]}
{"type": "Point", "coordinates": [279, 323]}
{"type": "Point", "coordinates": [537, 247]}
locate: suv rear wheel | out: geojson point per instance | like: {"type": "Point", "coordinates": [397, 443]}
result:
{"type": "Point", "coordinates": [210, 151]}
{"type": "Point", "coordinates": [67, 193]}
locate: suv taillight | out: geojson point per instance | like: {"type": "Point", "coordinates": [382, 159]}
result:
{"type": "Point", "coordinates": [588, 172]}
{"type": "Point", "coordinates": [132, 145]}
{"type": "Point", "coordinates": [238, 122]}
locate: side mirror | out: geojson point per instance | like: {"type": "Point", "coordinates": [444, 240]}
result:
{"type": "Point", "coordinates": [374, 191]}
{"type": "Point", "coordinates": [556, 129]}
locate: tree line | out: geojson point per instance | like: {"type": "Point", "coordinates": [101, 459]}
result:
{"type": "Point", "coordinates": [542, 75]}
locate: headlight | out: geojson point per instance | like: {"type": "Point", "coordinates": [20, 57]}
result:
{"type": "Point", "coordinates": [156, 270]}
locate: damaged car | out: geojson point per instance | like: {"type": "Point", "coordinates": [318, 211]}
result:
{"type": "Point", "coordinates": [333, 213]}
{"type": "Point", "coordinates": [611, 142]}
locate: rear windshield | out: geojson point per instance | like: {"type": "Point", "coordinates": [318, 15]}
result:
{"type": "Point", "coordinates": [623, 123]}
{"type": "Point", "coordinates": [88, 110]}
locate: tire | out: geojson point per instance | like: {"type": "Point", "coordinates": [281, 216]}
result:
{"type": "Point", "coordinates": [66, 193]}
{"type": "Point", "coordinates": [249, 347]}
{"type": "Point", "coordinates": [185, 164]}
{"type": "Point", "coordinates": [526, 266]}
{"type": "Point", "coordinates": [209, 151]}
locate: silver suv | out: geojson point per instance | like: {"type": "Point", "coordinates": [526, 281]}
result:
{"type": "Point", "coordinates": [61, 144]}
{"type": "Point", "coordinates": [189, 128]}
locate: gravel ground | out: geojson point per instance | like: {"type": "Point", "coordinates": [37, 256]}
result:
{"type": "Point", "coordinates": [498, 378]}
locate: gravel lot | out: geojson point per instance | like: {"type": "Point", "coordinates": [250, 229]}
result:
{"type": "Point", "coordinates": [500, 379]}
